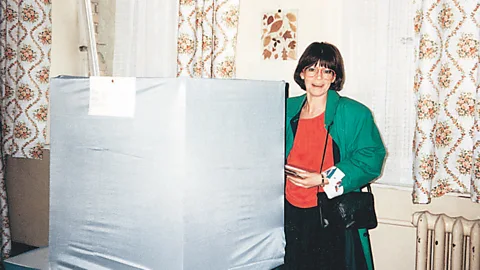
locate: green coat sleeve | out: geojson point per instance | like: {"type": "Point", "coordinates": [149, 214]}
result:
{"type": "Point", "coordinates": [366, 152]}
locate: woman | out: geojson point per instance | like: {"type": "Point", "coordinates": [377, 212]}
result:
{"type": "Point", "coordinates": [337, 134]}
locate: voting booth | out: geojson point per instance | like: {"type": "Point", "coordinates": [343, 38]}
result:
{"type": "Point", "coordinates": [152, 173]}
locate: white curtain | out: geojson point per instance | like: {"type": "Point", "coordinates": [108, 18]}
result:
{"type": "Point", "coordinates": [377, 45]}
{"type": "Point", "coordinates": [145, 38]}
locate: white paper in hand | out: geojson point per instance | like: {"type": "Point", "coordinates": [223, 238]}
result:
{"type": "Point", "coordinates": [334, 187]}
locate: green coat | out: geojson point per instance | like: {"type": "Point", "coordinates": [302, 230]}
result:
{"type": "Point", "coordinates": [353, 130]}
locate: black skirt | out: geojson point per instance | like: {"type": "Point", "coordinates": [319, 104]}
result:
{"type": "Point", "coordinates": [310, 246]}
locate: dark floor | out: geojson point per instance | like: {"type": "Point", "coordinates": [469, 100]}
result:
{"type": "Point", "coordinates": [19, 248]}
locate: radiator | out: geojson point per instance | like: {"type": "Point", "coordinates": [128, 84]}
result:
{"type": "Point", "coordinates": [443, 242]}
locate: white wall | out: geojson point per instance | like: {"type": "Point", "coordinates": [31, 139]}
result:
{"type": "Point", "coordinates": [393, 241]}
{"type": "Point", "coordinates": [65, 39]}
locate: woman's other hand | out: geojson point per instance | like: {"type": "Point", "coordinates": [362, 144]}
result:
{"type": "Point", "coordinates": [308, 179]}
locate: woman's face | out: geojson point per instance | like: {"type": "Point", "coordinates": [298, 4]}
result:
{"type": "Point", "coordinates": [317, 79]}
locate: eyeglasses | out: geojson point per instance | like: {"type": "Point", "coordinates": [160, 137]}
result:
{"type": "Point", "coordinates": [326, 73]}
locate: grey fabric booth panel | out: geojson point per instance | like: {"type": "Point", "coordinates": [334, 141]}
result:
{"type": "Point", "coordinates": [193, 180]}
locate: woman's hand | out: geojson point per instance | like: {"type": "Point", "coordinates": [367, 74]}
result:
{"type": "Point", "coordinates": [308, 179]}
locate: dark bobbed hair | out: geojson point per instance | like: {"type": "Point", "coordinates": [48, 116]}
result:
{"type": "Point", "coordinates": [327, 55]}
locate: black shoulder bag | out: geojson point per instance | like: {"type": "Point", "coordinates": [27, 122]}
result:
{"type": "Point", "coordinates": [353, 210]}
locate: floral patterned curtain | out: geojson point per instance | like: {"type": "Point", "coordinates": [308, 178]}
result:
{"type": "Point", "coordinates": [447, 133]}
{"type": "Point", "coordinates": [6, 239]}
{"type": "Point", "coordinates": [25, 43]}
{"type": "Point", "coordinates": [207, 37]}
{"type": "Point", "coordinates": [26, 31]}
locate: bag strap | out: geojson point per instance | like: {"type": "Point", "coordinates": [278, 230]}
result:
{"type": "Point", "coordinates": [323, 221]}
{"type": "Point", "coordinates": [324, 150]}
{"type": "Point", "coordinates": [325, 147]}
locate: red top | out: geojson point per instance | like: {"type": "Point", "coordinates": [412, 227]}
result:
{"type": "Point", "coordinates": [306, 153]}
